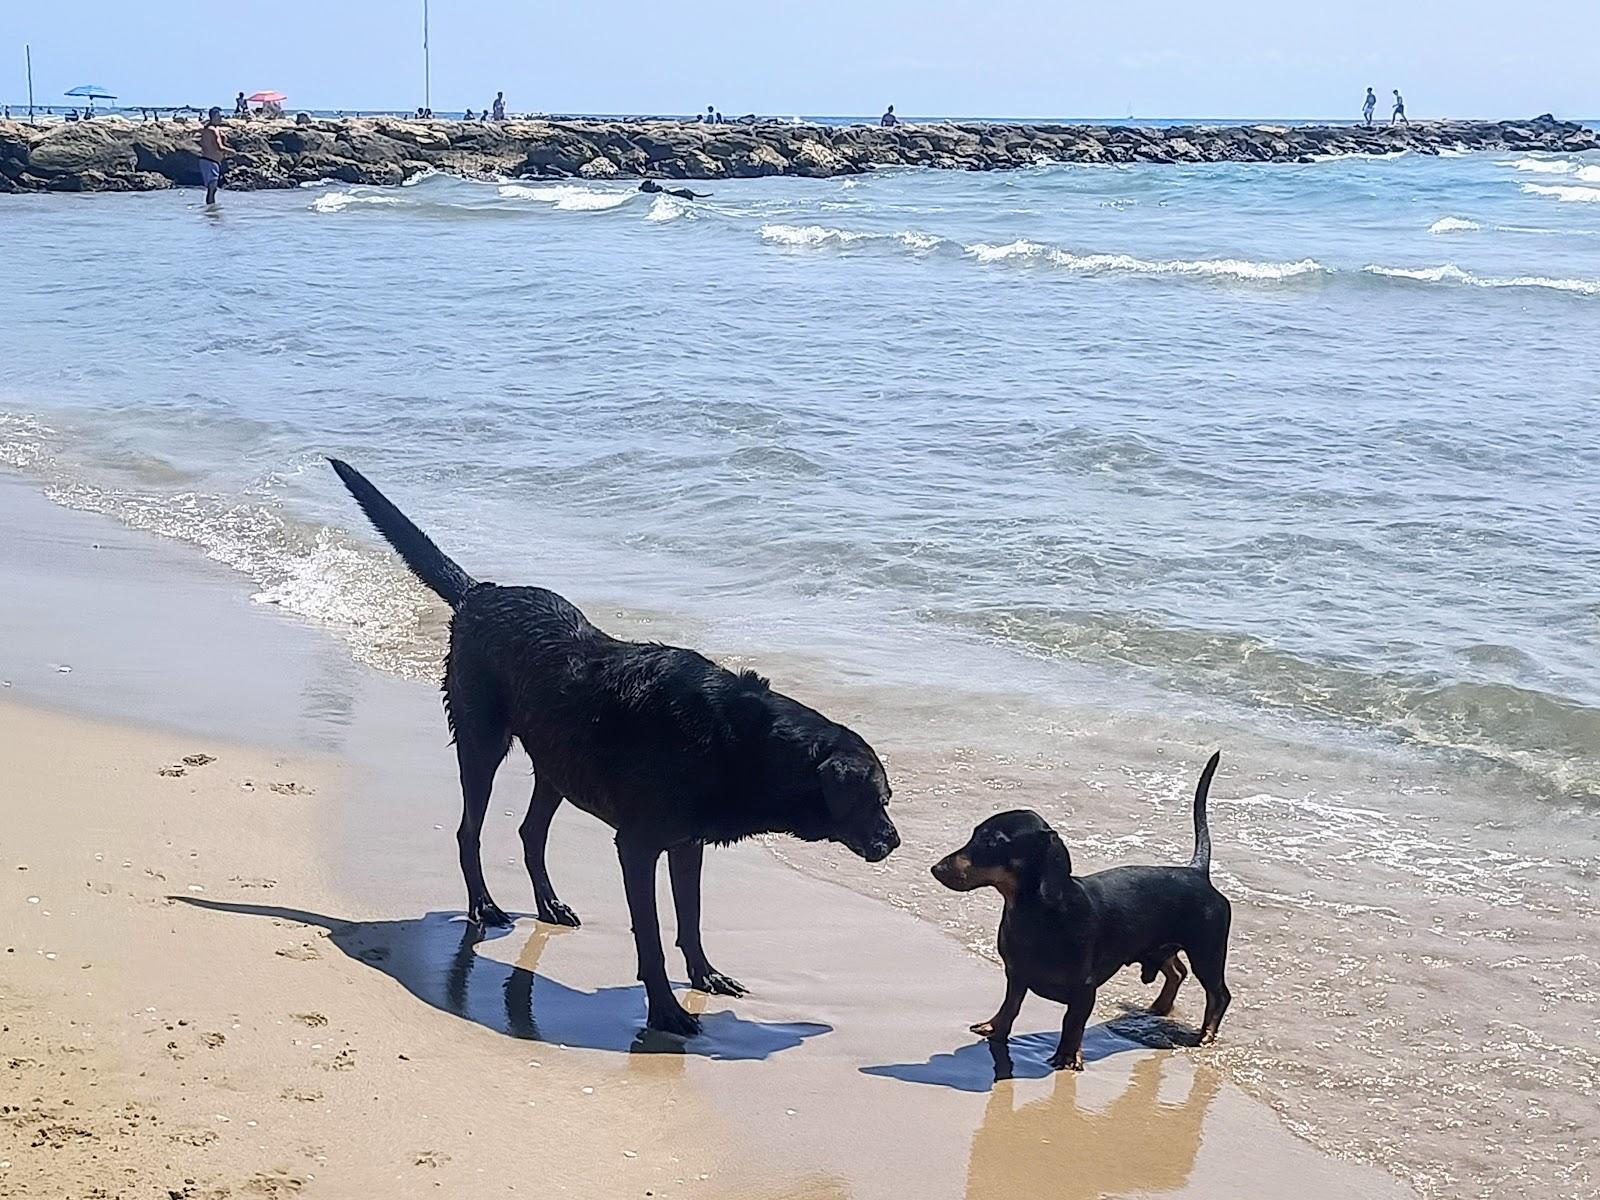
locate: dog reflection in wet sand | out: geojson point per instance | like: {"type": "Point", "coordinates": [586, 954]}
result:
{"type": "Point", "coordinates": [1063, 935]}
{"type": "Point", "coordinates": [1135, 1146]}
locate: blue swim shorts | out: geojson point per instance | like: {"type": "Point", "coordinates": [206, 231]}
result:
{"type": "Point", "coordinates": [210, 173]}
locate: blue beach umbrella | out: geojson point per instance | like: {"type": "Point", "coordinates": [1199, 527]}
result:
{"type": "Point", "coordinates": [92, 92]}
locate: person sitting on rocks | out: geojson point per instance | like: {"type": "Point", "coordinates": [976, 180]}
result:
{"type": "Point", "coordinates": [1399, 113]}
{"type": "Point", "coordinates": [467, 116]}
{"type": "Point", "coordinates": [889, 120]}
{"type": "Point", "coordinates": [241, 106]}
{"type": "Point", "coordinates": [651, 186]}
{"type": "Point", "coordinates": [499, 106]}
{"type": "Point", "coordinates": [1367, 105]}
{"type": "Point", "coordinates": [711, 116]}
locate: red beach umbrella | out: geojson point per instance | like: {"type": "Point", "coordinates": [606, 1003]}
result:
{"type": "Point", "coordinates": [267, 98]}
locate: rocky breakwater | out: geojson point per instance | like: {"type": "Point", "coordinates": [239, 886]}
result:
{"type": "Point", "coordinates": [119, 155]}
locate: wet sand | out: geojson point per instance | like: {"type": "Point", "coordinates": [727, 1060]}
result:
{"type": "Point", "coordinates": [294, 957]}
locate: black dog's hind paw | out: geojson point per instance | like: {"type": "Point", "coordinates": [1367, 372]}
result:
{"type": "Point", "coordinates": [490, 915]}
{"type": "Point", "coordinates": [557, 913]}
{"type": "Point", "coordinates": [672, 1018]}
{"type": "Point", "coordinates": [716, 983]}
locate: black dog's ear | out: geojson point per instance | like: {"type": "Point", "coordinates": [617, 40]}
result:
{"type": "Point", "coordinates": [1055, 867]}
{"type": "Point", "coordinates": [835, 773]}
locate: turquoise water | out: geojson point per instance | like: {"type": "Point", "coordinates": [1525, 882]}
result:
{"type": "Point", "coordinates": [1317, 440]}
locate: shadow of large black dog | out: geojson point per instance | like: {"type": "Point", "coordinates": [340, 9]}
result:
{"type": "Point", "coordinates": [435, 958]}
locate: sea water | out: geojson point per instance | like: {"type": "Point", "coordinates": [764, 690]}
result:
{"type": "Point", "coordinates": [1310, 449]}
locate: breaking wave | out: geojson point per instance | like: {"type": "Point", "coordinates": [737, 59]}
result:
{"type": "Point", "coordinates": [1450, 273]}
{"type": "Point", "coordinates": [567, 197]}
{"type": "Point", "coordinates": [1453, 225]}
{"type": "Point", "coordinates": [334, 202]}
{"type": "Point", "coordinates": [1565, 192]}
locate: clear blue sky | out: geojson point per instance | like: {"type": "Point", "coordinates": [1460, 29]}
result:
{"type": "Point", "coordinates": [1244, 58]}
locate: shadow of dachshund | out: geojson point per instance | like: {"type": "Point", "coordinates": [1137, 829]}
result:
{"type": "Point", "coordinates": [666, 747]}
{"type": "Point", "coordinates": [435, 958]}
{"type": "Point", "coordinates": [1062, 935]}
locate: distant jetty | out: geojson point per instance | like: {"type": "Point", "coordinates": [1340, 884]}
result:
{"type": "Point", "coordinates": [120, 155]}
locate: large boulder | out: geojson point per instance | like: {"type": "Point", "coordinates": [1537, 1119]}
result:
{"type": "Point", "coordinates": [84, 146]}
{"type": "Point", "coordinates": [599, 167]}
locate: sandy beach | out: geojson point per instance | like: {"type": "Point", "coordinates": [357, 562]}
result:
{"type": "Point", "coordinates": [236, 964]}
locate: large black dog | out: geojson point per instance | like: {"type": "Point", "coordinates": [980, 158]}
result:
{"type": "Point", "coordinates": [1063, 935]}
{"type": "Point", "coordinates": [666, 747]}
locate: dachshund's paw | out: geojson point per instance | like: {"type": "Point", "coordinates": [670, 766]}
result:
{"type": "Point", "coordinates": [1207, 1036]}
{"type": "Point", "coordinates": [557, 913]}
{"type": "Point", "coordinates": [490, 915]}
{"type": "Point", "coordinates": [715, 983]}
{"type": "Point", "coordinates": [1061, 1060]}
{"type": "Point", "coordinates": [670, 1017]}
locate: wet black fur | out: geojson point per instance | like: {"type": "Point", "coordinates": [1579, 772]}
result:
{"type": "Point", "coordinates": [1063, 935]}
{"type": "Point", "coordinates": [666, 747]}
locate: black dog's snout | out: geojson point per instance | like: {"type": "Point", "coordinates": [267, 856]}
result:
{"type": "Point", "coordinates": [882, 849]}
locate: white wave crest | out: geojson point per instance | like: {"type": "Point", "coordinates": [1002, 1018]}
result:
{"type": "Point", "coordinates": [1226, 268]}
{"type": "Point", "coordinates": [668, 208]}
{"type": "Point", "coordinates": [1450, 273]}
{"type": "Point", "coordinates": [809, 235]}
{"type": "Point", "coordinates": [1563, 192]}
{"type": "Point", "coordinates": [1453, 225]}
{"type": "Point", "coordinates": [338, 201]}
{"type": "Point", "coordinates": [1588, 174]}
{"type": "Point", "coordinates": [822, 235]}
{"type": "Point", "coordinates": [1544, 166]}
{"type": "Point", "coordinates": [566, 197]}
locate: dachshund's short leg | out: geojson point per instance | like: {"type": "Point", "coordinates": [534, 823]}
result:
{"type": "Point", "coordinates": [1175, 974]}
{"type": "Point", "coordinates": [998, 1027]}
{"type": "Point", "coordinates": [1208, 967]}
{"type": "Point", "coordinates": [1069, 1053]}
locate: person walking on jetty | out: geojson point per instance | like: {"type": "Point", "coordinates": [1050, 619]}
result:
{"type": "Point", "coordinates": [1399, 113]}
{"type": "Point", "coordinates": [213, 148]}
{"type": "Point", "coordinates": [889, 120]}
{"type": "Point", "coordinates": [1367, 105]}
{"type": "Point", "coordinates": [499, 106]}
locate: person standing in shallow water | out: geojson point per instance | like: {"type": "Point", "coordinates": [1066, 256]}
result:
{"type": "Point", "coordinates": [1367, 105]}
{"type": "Point", "coordinates": [1399, 113]}
{"type": "Point", "coordinates": [213, 148]}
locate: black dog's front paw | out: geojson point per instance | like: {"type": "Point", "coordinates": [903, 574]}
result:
{"type": "Point", "coordinates": [489, 915]}
{"type": "Point", "coordinates": [984, 1029]}
{"type": "Point", "coordinates": [557, 913]}
{"type": "Point", "coordinates": [1062, 1060]}
{"type": "Point", "coordinates": [670, 1017]}
{"type": "Point", "coordinates": [716, 983]}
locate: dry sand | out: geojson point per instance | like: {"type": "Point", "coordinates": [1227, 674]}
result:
{"type": "Point", "coordinates": [250, 977]}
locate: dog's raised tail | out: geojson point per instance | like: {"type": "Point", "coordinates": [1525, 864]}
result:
{"type": "Point", "coordinates": [1202, 831]}
{"type": "Point", "coordinates": [427, 562]}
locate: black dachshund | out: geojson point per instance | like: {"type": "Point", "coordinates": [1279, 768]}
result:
{"type": "Point", "coordinates": [666, 747]}
{"type": "Point", "coordinates": [1062, 935]}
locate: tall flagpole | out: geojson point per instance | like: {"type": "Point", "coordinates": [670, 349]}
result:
{"type": "Point", "coordinates": [29, 50]}
{"type": "Point", "coordinates": [427, 66]}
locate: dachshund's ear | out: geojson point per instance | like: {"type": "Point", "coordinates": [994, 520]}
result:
{"type": "Point", "coordinates": [1055, 867]}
